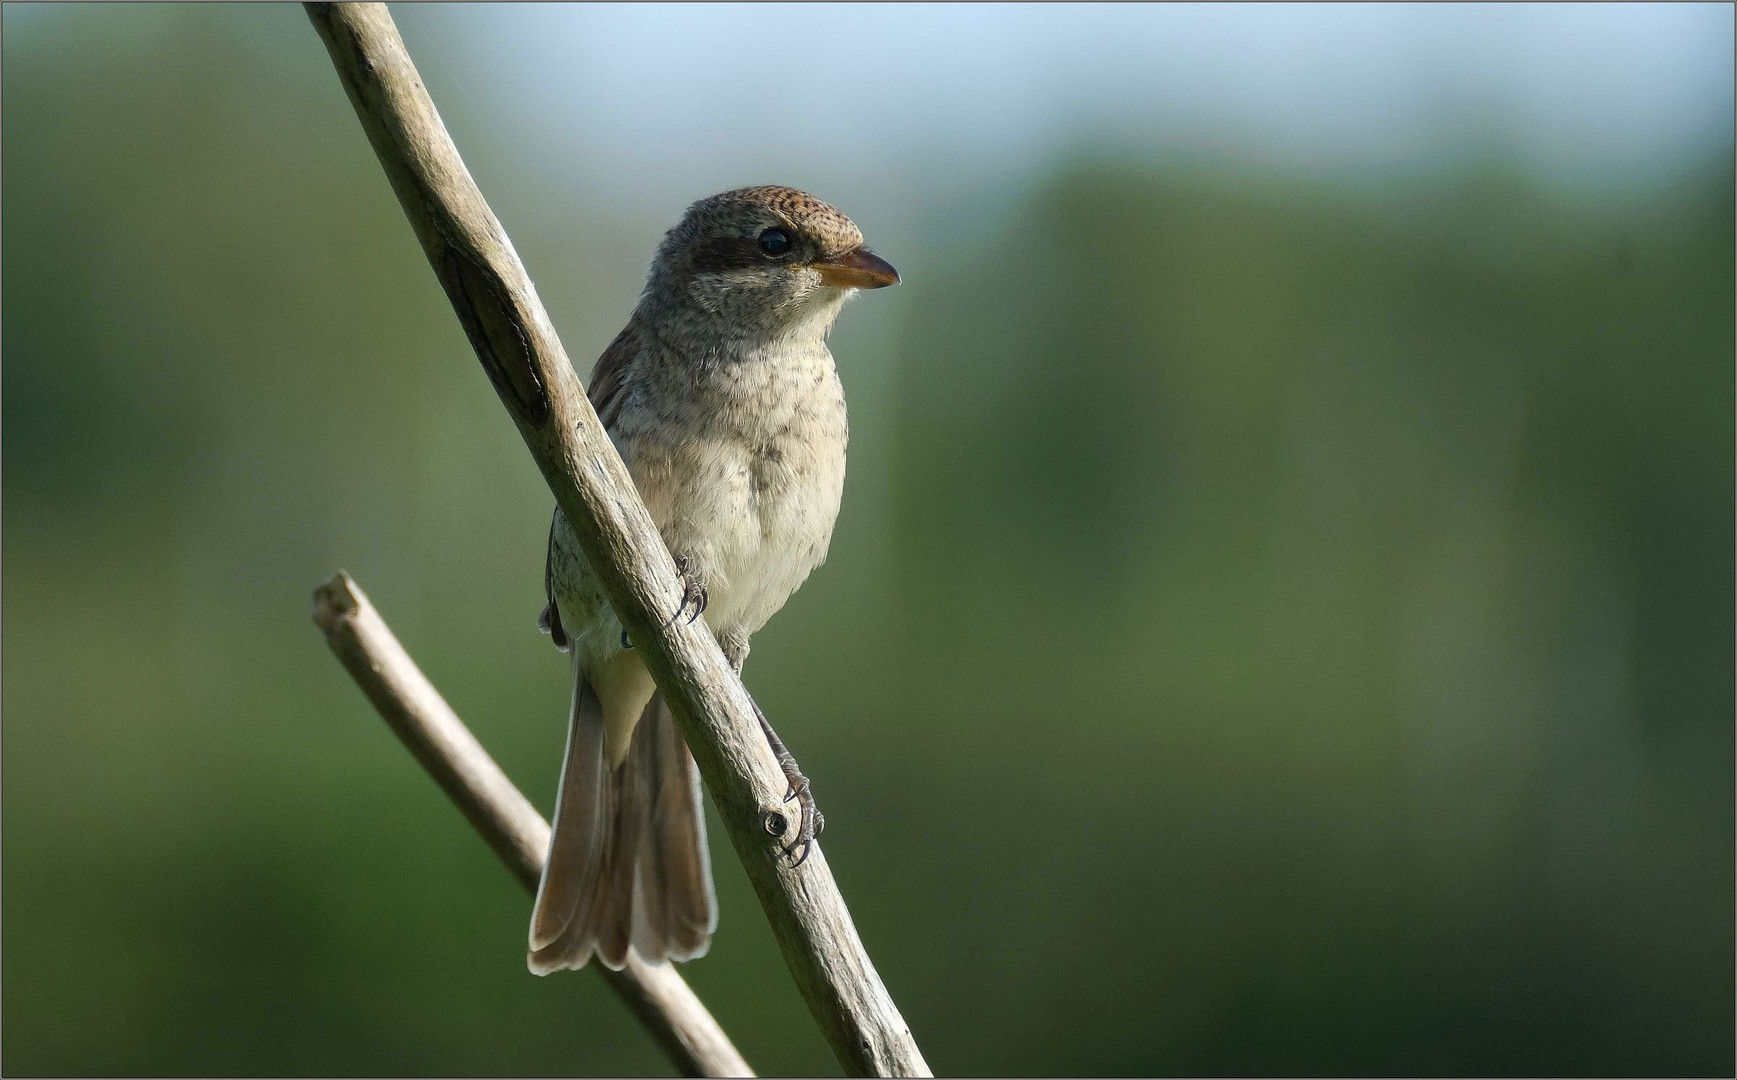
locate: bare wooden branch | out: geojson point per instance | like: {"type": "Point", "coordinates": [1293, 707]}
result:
{"type": "Point", "coordinates": [416, 712]}
{"type": "Point", "coordinates": [517, 345]}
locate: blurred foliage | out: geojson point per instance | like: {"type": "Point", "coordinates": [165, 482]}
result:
{"type": "Point", "coordinates": [1272, 628]}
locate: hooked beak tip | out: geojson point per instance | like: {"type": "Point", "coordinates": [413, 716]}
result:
{"type": "Point", "coordinates": [857, 269]}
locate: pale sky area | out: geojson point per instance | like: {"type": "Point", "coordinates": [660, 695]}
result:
{"type": "Point", "coordinates": [646, 104]}
{"type": "Point", "coordinates": [1596, 95]}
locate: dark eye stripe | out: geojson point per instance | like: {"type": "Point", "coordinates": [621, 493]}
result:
{"type": "Point", "coordinates": [727, 253]}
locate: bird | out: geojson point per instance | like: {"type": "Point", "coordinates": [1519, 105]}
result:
{"type": "Point", "coordinates": [723, 400]}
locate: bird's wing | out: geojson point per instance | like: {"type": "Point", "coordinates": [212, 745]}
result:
{"type": "Point", "coordinates": [609, 377]}
{"type": "Point", "coordinates": [549, 622]}
{"type": "Point", "coordinates": [608, 380]}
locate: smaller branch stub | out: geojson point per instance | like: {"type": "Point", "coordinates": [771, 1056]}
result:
{"type": "Point", "coordinates": [422, 719]}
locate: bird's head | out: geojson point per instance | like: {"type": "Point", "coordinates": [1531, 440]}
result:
{"type": "Point", "coordinates": [763, 261]}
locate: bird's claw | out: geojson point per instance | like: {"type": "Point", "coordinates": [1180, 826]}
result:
{"type": "Point", "coordinates": [812, 820]}
{"type": "Point", "coordinates": [693, 596]}
{"type": "Point", "coordinates": [694, 593]}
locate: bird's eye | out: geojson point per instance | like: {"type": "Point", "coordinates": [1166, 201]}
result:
{"type": "Point", "coordinates": [774, 242]}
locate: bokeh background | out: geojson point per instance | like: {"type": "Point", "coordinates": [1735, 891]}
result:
{"type": "Point", "coordinates": [1281, 619]}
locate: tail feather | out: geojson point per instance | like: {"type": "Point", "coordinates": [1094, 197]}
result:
{"type": "Point", "coordinates": [632, 813]}
{"type": "Point", "coordinates": [628, 864]}
{"type": "Point", "coordinates": [674, 908]}
{"type": "Point", "coordinates": [567, 893]}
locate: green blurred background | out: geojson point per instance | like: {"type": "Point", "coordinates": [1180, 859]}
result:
{"type": "Point", "coordinates": [1280, 621]}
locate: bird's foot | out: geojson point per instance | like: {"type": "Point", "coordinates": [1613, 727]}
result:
{"type": "Point", "coordinates": [693, 596]}
{"type": "Point", "coordinates": [812, 820]}
{"type": "Point", "coordinates": [694, 593]}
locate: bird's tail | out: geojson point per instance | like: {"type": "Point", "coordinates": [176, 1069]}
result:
{"type": "Point", "coordinates": [628, 864]}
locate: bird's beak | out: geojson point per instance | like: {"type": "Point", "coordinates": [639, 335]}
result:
{"type": "Point", "coordinates": [857, 269]}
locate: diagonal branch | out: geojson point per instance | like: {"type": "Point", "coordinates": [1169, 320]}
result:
{"type": "Point", "coordinates": [416, 712]}
{"type": "Point", "coordinates": [518, 348]}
